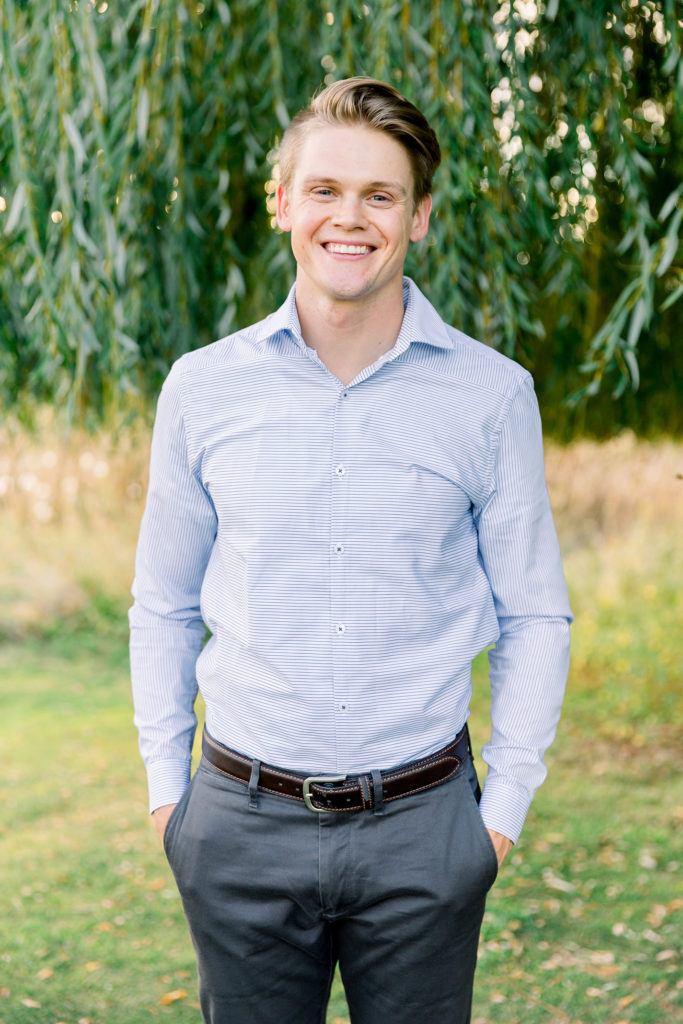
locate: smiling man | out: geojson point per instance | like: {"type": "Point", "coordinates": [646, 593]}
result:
{"type": "Point", "coordinates": [350, 495]}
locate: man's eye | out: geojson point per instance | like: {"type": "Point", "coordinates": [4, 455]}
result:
{"type": "Point", "coordinates": [379, 198]}
{"type": "Point", "coordinates": [324, 193]}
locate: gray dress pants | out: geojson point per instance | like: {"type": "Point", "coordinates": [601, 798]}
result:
{"type": "Point", "coordinates": [276, 895]}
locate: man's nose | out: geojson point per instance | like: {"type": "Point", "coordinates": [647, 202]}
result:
{"type": "Point", "coordinates": [349, 212]}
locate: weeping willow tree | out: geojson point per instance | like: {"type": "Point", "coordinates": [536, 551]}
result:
{"type": "Point", "coordinates": [136, 183]}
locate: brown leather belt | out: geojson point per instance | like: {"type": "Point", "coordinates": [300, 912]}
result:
{"type": "Point", "coordinates": [340, 794]}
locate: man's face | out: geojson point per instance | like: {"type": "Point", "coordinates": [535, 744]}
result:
{"type": "Point", "coordinates": [351, 214]}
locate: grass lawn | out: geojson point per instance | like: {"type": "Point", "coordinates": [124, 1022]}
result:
{"type": "Point", "coordinates": [584, 923]}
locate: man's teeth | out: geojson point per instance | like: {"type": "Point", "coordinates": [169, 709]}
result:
{"type": "Point", "coordinates": [347, 250]}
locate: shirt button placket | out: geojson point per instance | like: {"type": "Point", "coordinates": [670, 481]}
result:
{"type": "Point", "coordinates": [338, 562]}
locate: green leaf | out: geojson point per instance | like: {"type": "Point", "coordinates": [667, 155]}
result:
{"type": "Point", "coordinates": [672, 299]}
{"type": "Point", "coordinates": [669, 203]}
{"type": "Point", "coordinates": [632, 363]}
{"type": "Point", "coordinates": [142, 117]}
{"type": "Point", "coordinates": [74, 137]}
{"type": "Point", "coordinates": [671, 244]}
{"type": "Point", "coordinates": [641, 313]}
{"type": "Point", "coordinates": [642, 164]}
{"type": "Point", "coordinates": [16, 206]}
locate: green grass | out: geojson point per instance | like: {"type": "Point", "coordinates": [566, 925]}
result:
{"type": "Point", "coordinates": [580, 926]}
{"type": "Point", "coordinates": [583, 924]}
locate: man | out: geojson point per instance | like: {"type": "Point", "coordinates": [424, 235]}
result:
{"type": "Point", "coordinates": [350, 495]}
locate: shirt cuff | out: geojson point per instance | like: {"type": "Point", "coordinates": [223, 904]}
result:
{"type": "Point", "coordinates": [167, 781]}
{"type": "Point", "coordinates": [503, 807]}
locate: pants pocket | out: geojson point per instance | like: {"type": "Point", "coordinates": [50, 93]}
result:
{"type": "Point", "coordinates": [487, 848]}
{"type": "Point", "coordinates": [175, 821]}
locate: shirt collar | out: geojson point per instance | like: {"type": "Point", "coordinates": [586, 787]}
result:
{"type": "Point", "coordinates": [421, 322]}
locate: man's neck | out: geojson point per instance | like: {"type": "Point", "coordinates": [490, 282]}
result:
{"type": "Point", "coordinates": [349, 335]}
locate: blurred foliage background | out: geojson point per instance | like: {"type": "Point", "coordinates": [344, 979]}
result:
{"type": "Point", "coordinates": [137, 143]}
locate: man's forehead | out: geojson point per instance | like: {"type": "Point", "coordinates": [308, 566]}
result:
{"type": "Point", "coordinates": [353, 154]}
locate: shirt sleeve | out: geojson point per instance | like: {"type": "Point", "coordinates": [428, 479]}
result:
{"type": "Point", "coordinates": [166, 628]}
{"type": "Point", "coordinates": [529, 664]}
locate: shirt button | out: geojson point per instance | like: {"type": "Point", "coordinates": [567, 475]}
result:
{"type": "Point", "coordinates": [340, 628]}
{"type": "Point", "coordinates": [345, 394]}
{"type": "Point", "coordinates": [339, 470]}
{"type": "Point", "coordinates": [339, 549]}
{"type": "Point", "coordinates": [344, 707]}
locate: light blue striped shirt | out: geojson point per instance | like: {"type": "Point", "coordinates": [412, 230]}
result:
{"type": "Point", "coordinates": [350, 549]}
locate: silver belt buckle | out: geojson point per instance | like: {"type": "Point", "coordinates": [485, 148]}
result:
{"type": "Point", "coordinates": [322, 779]}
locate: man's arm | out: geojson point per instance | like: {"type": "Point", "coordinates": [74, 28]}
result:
{"type": "Point", "coordinates": [529, 664]}
{"type": "Point", "coordinates": [167, 632]}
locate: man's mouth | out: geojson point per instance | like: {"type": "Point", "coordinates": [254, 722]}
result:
{"type": "Point", "coordinates": [347, 250]}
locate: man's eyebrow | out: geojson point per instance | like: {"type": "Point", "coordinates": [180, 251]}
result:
{"type": "Point", "coordinates": [371, 186]}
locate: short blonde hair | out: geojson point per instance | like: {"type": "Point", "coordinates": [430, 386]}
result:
{"type": "Point", "coordinates": [374, 104]}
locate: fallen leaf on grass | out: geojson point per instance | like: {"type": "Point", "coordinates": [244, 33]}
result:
{"type": "Point", "coordinates": [4, 993]}
{"type": "Point", "coordinates": [31, 1003]}
{"type": "Point", "coordinates": [601, 956]}
{"type": "Point", "coordinates": [599, 963]}
{"type": "Point", "coordinates": [657, 915]}
{"type": "Point", "coordinates": [625, 1001]}
{"type": "Point", "coordinates": [603, 970]}
{"type": "Point", "coordinates": [44, 973]}
{"type": "Point", "coordinates": [666, 954]}
{"type": "Point", "coordinates": [173, 997]}
{"type": "Point", "coordinates": [93, 965]}
{"type": "Point", "coordinates": [553, 881]}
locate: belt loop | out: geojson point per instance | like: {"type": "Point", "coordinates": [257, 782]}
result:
{"type": "Point", "coordinates": [253, 785]}
{"type": "Point", "coordinates": [378, 791]}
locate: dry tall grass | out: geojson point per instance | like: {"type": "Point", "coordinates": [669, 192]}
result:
{"type": "Point", "coordinates": [606, 489]}
{"type": "Point", "coordinates": [69, 514]}
{"type": "Point", "coordinates": [70, 510]}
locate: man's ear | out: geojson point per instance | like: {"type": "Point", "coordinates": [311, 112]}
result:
{"type": "Point", "coordinates": [282, 210]}
{"type": "Point", "coordinates": [421, 219]}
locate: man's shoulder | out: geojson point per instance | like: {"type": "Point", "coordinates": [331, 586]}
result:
{"type": "Point", "coordinates": [457, 356]}
{"type": "Point", "coordinates": [478, 361]}
{"type": "Point", "coordinates": [235, 351]}
{"type": "Point", "coordinates": [242, 346]}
